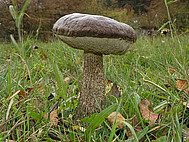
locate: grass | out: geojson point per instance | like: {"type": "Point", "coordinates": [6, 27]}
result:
{"type": "Point", "coordinates": [143, 73]}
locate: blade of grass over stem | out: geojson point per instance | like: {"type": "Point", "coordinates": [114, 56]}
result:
{"type": "Point", "coordinates": [114, 123]}
{"type": "Point", "coordinates": [98, 119]}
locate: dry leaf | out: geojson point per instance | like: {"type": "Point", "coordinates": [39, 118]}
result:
{"type": "Point", "coordinates": [10, 140]}
{"type": "Point", "coordinates": [111, 118]}
{"type": "Point", "coordinates": [171, 70]}
{"type": "Point", "coordinates": [39, 87]}
{"type": "Point", "coordinates": [53, 117]}
{"type": "Point", "coordinates": [44, 55]}
{"type": "Point", "coordinates": [182, 84]}
{"type": "Point", "coordinates": [146, 113]}
{"type": "Point", "coordinates": [21, 95]}
{"type": "Point", "coordinates": [67, 80]}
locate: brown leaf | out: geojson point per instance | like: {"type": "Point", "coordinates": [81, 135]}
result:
{"type": "Point", "coordinates": [182, 84]}
{"type": "Point", "coordinates": [44, 55]}
{"type": "Point", "coordinates": [171, 70]}
{"type": "Point", "coordinates": [21, 95]}
{"type": "Point", "coordinates": [10, 140]}
{"type": "Point", "coordinates": [111, 118]}
{"type": "Point", "coordinates": [146, 113]}
{"type": "Point", "coordinates": [67, 80]}
{"type": "Point", "coordinates": [53, 117]}
{"type": "Point", "coordinates": [41, 88]}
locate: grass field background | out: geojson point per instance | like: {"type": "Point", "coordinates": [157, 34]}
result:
{"type": "Point", "coordinates": [30, 87]}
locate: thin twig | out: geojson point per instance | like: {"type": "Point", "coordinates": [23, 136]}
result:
{"type": "Point", "coordinates": [54, 106]}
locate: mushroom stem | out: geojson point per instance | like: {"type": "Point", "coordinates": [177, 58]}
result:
{"type": "Point", "coordinates": [92, 84]}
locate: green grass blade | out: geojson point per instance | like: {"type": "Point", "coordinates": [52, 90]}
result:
{"type": "Point", "coordinates": [132, 130]}
{"type": "Point", "coordinates": [160, 139]}
{"type": "Point", "coordinates": [98, 119]}
{"type": "Point", "coordinates": [59, 78]}
{"type": "Point", "coordinates": [115, 123]}
{"type": "Point", "coordinates": [163, 26]}
{"type": "Point", "coordinates": [113, 131]}
{"type": "Point", "coordinates": [170, 2]}
{"type": "Point", "coordinates": [26, 4]}
{"type": "Point", "coordinates": [14, 42]}
{"type": "Point", "coordinates": [13, 12]}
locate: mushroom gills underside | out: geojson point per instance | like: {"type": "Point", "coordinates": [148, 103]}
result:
{"type": "Point", "coordinates": [116, 46]}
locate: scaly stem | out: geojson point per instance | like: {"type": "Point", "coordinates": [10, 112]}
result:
{"type": "Point", "coordinates": [93, 84]}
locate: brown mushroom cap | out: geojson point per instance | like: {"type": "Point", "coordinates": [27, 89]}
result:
{"type": "Point", "coordinates": [94, 33]}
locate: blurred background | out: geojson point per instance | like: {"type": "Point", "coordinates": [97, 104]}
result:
{"type": "Point", "coordinates": [145, 16]}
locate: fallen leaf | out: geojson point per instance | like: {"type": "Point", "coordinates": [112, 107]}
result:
{"type": "Point", "coordinates": [10, 140]}
{"type": "Point", "coordinates": [53, 117]}
{"type": "Point", "coordinates": [67, 80]}
{"type": "Point", "coordinates": [41, 88]}
{"type": "Point", "coordinates": [111, 118]}
{"type": "Point", "coordinates": [171, 70]}
{"type": "Point", "coordinates": [146, 113]}
{"type": "Point", "coordinates": [182, 84]}
{"type": "Point", "coordinates": [44, 55]}
{"type": "Point", "coordinates": [21, 95]}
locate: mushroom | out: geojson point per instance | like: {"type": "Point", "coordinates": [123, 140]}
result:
{"type": "Point", "coordinates": [96, 35]}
